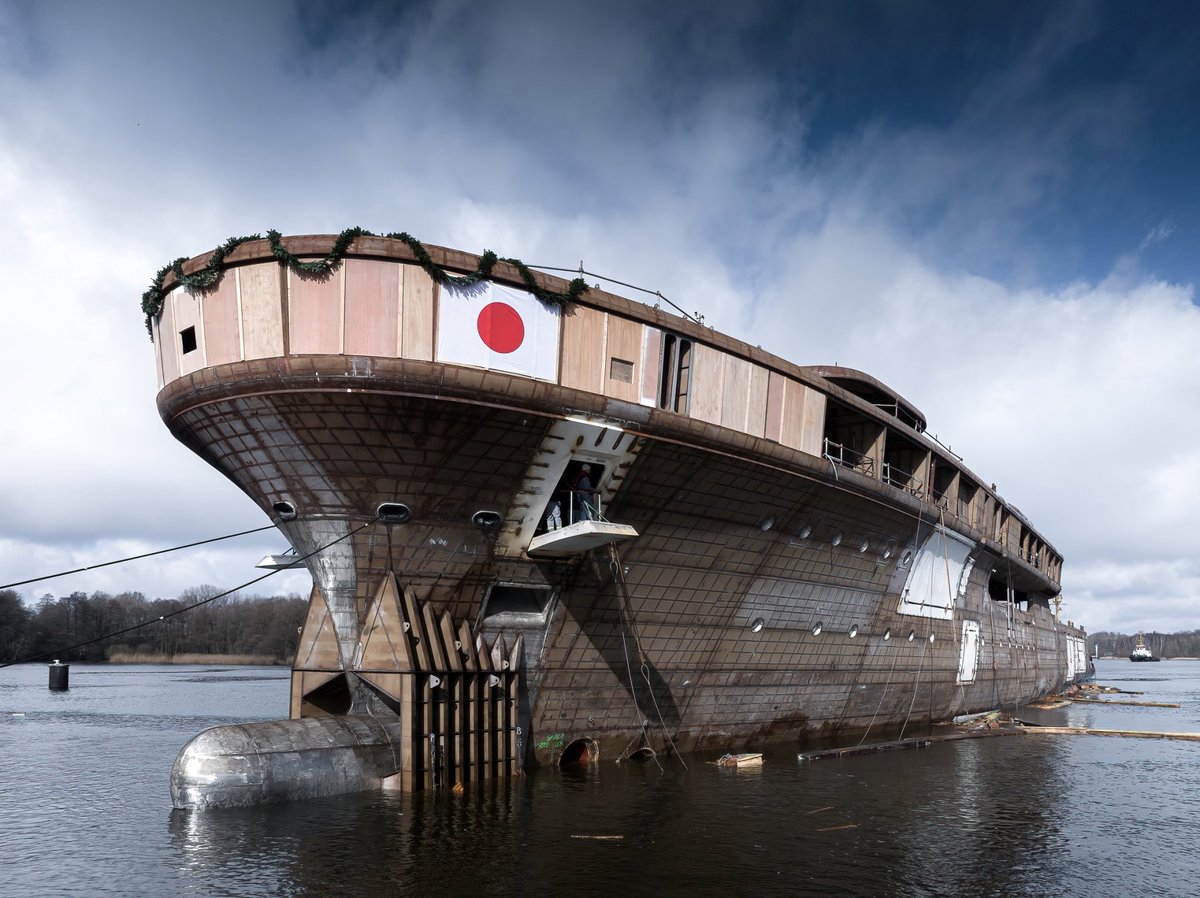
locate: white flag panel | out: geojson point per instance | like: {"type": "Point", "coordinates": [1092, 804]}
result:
{"type": "Point", "coordinates": [500, 328]}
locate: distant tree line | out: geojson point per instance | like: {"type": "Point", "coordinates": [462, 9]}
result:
{"type": "Point", "coordinates": [1163, 645]}
{"type": "Point", "coordinates": [265, 627]}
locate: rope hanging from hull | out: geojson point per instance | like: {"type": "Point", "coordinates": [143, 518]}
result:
{"type": "Point", "coordinates": [627, 622]}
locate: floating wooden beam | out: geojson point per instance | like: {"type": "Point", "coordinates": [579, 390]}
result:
{"type": "Point", "coordinates": [901, 744]}
{"type": "Point", "coordinates": [926, 741]}
{"type": "Point", "coordinates": [1117, 701]}
{"type": "Point", "coordinates": [1129, 734]}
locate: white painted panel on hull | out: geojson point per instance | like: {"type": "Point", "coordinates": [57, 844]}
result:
{"type": "Point", "coordinates": [933, 582]}
{"type": "Point", "coordinates": [968, 659]}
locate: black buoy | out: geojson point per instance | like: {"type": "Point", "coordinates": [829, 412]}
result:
{"type": "Point", "coordinates": [60, 675]}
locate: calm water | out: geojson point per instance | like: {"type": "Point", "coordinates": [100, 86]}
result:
{"type": "Point", "coordinates": [85, 810]}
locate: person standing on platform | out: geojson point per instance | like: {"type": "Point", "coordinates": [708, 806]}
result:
{"type": "Point", "coordinates": [585, 495]}
{"type": "Point", "coordinates": [554, 515]}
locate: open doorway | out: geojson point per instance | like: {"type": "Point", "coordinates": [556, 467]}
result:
{"type": "Point", "coordinates": [576, 497]}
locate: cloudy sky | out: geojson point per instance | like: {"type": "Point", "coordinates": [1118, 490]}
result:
{"type": "Point", "coordinates": [993, 207]}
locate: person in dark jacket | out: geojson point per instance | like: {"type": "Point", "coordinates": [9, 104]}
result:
{"type": "Point", "coordinates": [585, 495]}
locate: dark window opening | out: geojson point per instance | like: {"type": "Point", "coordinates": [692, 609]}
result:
{"type": "Point", "coordinates": [850, 438]}
{"type": "Point", "coordinates": [880, 399]}
{"type": "Point", "coordinates": [505, 599]}
{"type": "Point", "coordinates": [187, 337]}
{"type": "Point", "coordinates": [674, 385]}
{"type": "Point", "coordinates": [943, 479]}
{"type": "Point", "coordinates": [327, 699]}
{"type": "Point", "coordinates": [998, 592]}
{"type": "Point", "coordinates": [967, 491]}
{"type": "Point", "coordinates": [903, 461]}
{"type": "Point", "coordinates": [1001, 526]}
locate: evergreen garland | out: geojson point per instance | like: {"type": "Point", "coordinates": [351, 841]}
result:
{"type": "Point", "coordinates": [210, 275]}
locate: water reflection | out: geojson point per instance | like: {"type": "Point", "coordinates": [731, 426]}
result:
{"type": "Point", "coordinates": [87, 772]}
{"type": "Point", "coordinates": [424, 844]}
{"type": "Point", "coordinates": [979, 818]}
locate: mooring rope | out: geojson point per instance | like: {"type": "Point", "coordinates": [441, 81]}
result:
{"type": "Point", "coordinates": [887, 685]}
{"type": "Point", "coordinates": [627, 622]}
{"type": "Point", "coordinates": [163, 617]}
{"type": "Point", "coordinates": [628, 667]}
{"type": "Point", "coordinates": [92, 567]}
{"type": "Point", "coordinates": [916, 686]}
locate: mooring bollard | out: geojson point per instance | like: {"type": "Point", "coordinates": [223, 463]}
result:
{"type": "Point", "coordinates": [60, 674]}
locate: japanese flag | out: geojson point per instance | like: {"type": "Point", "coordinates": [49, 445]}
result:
{"type": "Point", "coordinates": [498, 327]}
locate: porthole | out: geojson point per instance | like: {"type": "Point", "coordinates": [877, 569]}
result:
{"type": "Point", "coordinates": [912, 634]}
{"type": "Point", "coordinates": [853, 631]}
{"type": "Point", "coordinates": [285, 511]}
{"type": "Point", "coordinates": [487, 519]}
{"type": "Point", "coordinates": [805, 533]}
{"type": "Point", "coordinates": [766, 523]}
{"type": "Point", "coordinates": [906, 558]}
{"type": "Point", "coordinates": [817, 628]}
{"type": "Point", "coordinates": [887, 634]}
{"type": "Point", "coordinates": [931, 637]}
{"type": "Point", "coordinates": [886, 553]}
{"type": "Point", "coordinates": [757, 625]}
{"type": "Point", "coordinates": [863, 546]}
{"type": "Point", "coordinates": [393, 512]}
{"type": "Point", "coordinates": [837, 540]}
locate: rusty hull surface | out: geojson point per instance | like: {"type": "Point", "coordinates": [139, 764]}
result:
{"type": "Point", "coordinates": [679, 650]}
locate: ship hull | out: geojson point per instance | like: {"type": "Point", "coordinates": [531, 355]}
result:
{"type": "Point", "coordinates": [792, 558]}
{"type": "Point", "coordinates": [716, 631]}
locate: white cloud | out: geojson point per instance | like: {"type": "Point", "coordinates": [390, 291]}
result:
{"type": "Point", "coordinates": [664, 155]}
{"type": "Point", "coordinates": [1075, 402]}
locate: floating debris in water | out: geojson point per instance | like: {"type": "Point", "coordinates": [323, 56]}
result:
{"type": "Point", "coordinates": [745, 759]}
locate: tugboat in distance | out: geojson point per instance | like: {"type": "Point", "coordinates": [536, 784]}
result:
{"type": "Point", "coordinates": [1141, 652]}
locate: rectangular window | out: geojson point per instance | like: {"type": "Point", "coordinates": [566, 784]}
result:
{"type": "Point", "coordinates": [187, 337]}
{"type": "Point", "coordinates": [676, 375]}
{"type": "Point", "coordinates": [508, 603]}
{"type": "Point", "coordinates": [619, 369]}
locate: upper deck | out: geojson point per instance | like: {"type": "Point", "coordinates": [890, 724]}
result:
{"type": "Point", "coordinates": [381, 302]}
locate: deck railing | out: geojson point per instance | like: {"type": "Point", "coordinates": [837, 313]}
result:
{"type": "Point", "coordinates": [843, 455]}
{"type": "Point", "coordinates": [572, 506]}
{"type": "Point", "coordinates": [903, 480]}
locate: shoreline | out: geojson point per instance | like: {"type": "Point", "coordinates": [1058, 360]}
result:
{"type": "Point", "coordinates": [196, 658]}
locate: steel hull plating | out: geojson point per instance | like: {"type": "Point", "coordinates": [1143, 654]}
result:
{"type": "Point", "coordinates": [761, 601]}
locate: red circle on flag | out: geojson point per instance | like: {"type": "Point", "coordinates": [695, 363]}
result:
{"type": "Point", "coordinates": [500, 327]}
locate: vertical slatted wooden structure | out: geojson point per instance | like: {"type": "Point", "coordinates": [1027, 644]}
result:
{"type": "Point", "coordinates": [456, 695]}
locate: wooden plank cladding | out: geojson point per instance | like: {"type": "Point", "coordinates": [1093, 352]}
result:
{"type": "Point", "coordinates": [222, 325]}
{"type": "Point", "coordinates": [260, 298]}
{"type": "Point", "coordinates": [367, 307]}
{"type": "Point", "coordinates": [372, 317]}
{"type": "Point", "coordinates": [389, 309]}
{"type": "Point", "coordinates": [581, 360]}
{"type": "Point", "coordinates": [316, 313]}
